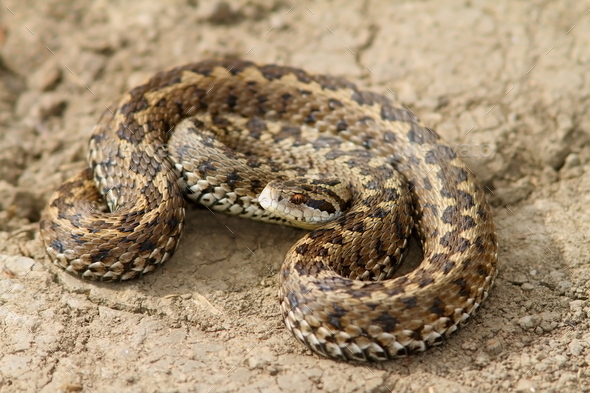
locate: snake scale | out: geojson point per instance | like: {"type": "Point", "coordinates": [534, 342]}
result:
{"type": "Point", "coordinates": [366, 173]}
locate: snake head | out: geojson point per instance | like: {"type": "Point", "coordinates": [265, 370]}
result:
{"type": "Point", "coordinates": [306, 203]}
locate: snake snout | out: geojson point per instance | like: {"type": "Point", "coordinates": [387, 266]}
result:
{"type": "Point", "coordinates": [266, 197]}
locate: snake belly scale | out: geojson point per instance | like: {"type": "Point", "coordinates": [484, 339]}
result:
{"type": "Point", "coordinates": [219, 131]}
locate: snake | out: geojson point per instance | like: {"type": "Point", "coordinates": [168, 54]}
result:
{"type": "Point", "coordinates": [277, 144]}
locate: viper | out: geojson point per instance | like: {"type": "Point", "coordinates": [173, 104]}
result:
{"type": "Point", "coordinates": [277, 144]}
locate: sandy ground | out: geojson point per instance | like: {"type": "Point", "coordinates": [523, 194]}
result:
{"type": "Point", "coordinates": [506, 83]}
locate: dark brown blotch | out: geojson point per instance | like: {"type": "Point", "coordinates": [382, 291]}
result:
{"type": "Point", "coordinates": [483, 214]}
{"type": "Point", "coordinates": [58, 246]}
{"type": "Point", "coordinates": [465, 200]}
{"type": "Point", "coordinates": [235, 66]}
{"type": "Point", "coordinates": [454, 242]}
{"type": "Point", "coordinates": [386, 321]}
{"type": "Point", "coordinates": [395, 291]}
{"type": "Point", "coordinates": [334, 154]}
{"type": "Point", "coordinates": [320, 233]}
{"type": "Point", "coordinates": [231, 100]}
{"type": "Point", "coordinates": [130, 132]}
{"type": "Point", "coordinates": [439, 259]}
{"type": "Point", "coordinates": [438, 307]}
{"type": "Point", "coordinates": [256, 126]}
{"type": "Point", "coordinates": [233, 178]}
{"type": "Point", "coordinates": [311, 118]}
{"type": "Point", "coordinates": [143, 164]}
{"type": "Point", "coordinates": [410, 302]}
{"type": "Point", "coordinates": [465, 222]}
{"type": "Point", "coordinates": [196, 124]}
{"type": "Point", "coordinates": [133, 106]}
{"type": "Point", "coordinates": [482, 270]}
{"type": "Point", "coordinates": [452, 174]}
{"type": "Point", "coordinates": [450, 214]}
{"type": "Point", "coordinates": [358, 98]}
{"type": "Point", "coordinates": [256, 185]}
{"type": "Point", "coordinates": [303, 92]}
{"type": "Point", "coordinates": [378, 212]}
{"type": "Point", "coordinates": [334, 103]}
{"type": "Point", "coordinates": [253, 162]}
{"type": "Point", "coordinates": [440, 154]}
{"type": "Point", "coordinates": [206, 168]}
{"type": "Point", "coordinates": [321, 205]}
{"type": "Point", "coordinates": [99, 255]}
{"type": "Point", "coordinates": [391, 113]}
{"type": "Point", "coordinates": [287, 132]}
{"type": "Point", "coordinates": [389, 137]}
{"type": "Point", "coordinates": [354, 226]}
{"type": "Point", "coordinates": [433, 208]}
{"type": "Point", "coordinates": [371, 185]}
{"type": "Point", "coordinates": [338, 239]}
{"type": "Point", "coordinates": [463, 288]}
{"type": "Point", "coordinates": [341, 125]}
{"type": "Point", "coordinates": [302, 249]}
{"type": "Point", "coordinates": [329, 82]}
{"type": "Point", "coordinates": [365, 120]}
{"type": "Point", "coordinates": [447, 267]}
{"type": "Point", "coordinates": [422, 135]}
{"type": "Point", "coordinates": [272, 72]}
{"type": "Point", "coordinates": [425, 279]}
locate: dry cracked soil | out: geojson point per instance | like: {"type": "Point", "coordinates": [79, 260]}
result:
{"type": "Point", "coordinates": [505, 83]}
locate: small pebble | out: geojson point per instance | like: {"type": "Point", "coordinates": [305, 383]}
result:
{"type": "Point", "coordinates": [524, 385]}
{"type": "Point", "coordinates": [46, 77]}
{"type": "Point", "coordinates": [519, 279]}
{"type": "Point", "coordinates": [257, 362]}
{"type": "Point", "coordinates": [577, 305]}
{"type": "Point", "coordinates": [470, 346]}
{"type": "Point", "coordinates": [529, 321]}
{"type": "Point", "coordinates": [576, 347]}
{"type": "Point", "coordinates": [494, 346]}
{"type": "Point", "coordinates": [18, 265]}
{"type": "Point", "coordinates": [482, 359]}
{"type": "Point", "coordinates": [571, 161]}
{"type": "Point", "coordinates": [560, 360]}
{"type": "Point", "coordinates": [222, 13]}
{"type": "Point", "coordinates": [564, 285]}
{"type": "Point", "coordinates": [542, 366]}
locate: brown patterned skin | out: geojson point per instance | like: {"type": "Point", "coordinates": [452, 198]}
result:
{"type": "Point", "coordinates": [335, 292]}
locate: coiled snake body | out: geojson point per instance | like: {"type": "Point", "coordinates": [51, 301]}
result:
{"type": "Point", "coordinates": [219, 131]}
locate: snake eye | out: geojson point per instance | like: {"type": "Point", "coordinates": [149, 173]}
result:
{"type": "Point", "coordinates": [298, 199]}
